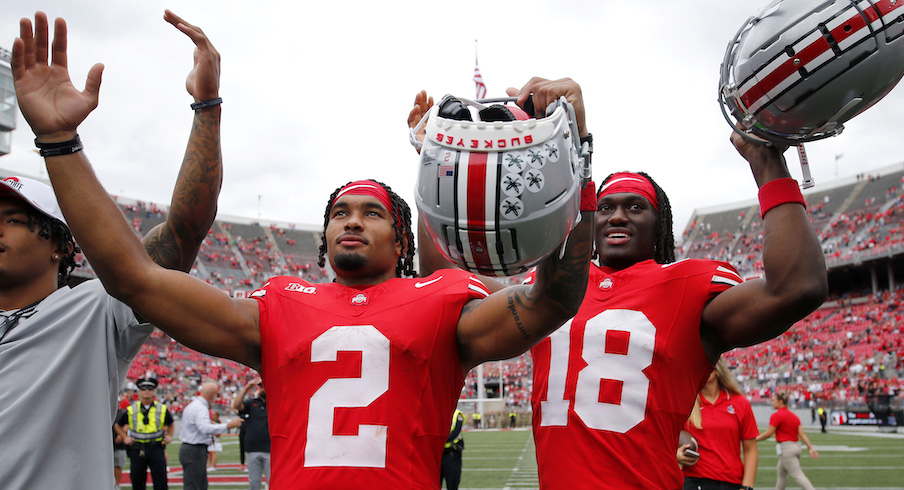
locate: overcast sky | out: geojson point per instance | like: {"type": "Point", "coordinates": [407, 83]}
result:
{"type": "Point", "coordinates": [317, 93]}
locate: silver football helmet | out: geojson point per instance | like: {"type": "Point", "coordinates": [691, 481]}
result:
{"type": "Point", "coordinates": [499, 191]}
{"type": "Point", "coordinates": [799, 69]}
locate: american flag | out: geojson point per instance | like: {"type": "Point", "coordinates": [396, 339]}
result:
{"type": "Point", "coordinates": [478, 81]}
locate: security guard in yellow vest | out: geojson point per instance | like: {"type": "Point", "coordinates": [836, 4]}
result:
{"type": "Point", "coordinates": [450, 468]}
{"type": "Point", "coordinates": [150, 428]}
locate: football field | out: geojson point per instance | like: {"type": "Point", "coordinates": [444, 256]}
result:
{"type": "Point", "coordinates": [504, 459]}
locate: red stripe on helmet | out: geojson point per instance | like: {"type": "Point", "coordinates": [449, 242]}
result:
{"type": "Point", "coordinates": [785, 70]}
{"type": "Point", "coordinates": [871, 14]}
{"type": "Point", "coordinates": [476, 207]}
{"type": "Point", "coordinates": [886, 6]}
{"type": "Point", "coordinates": [848, 28]}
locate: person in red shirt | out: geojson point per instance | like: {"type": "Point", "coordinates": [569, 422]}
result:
{"type": "Point", "coordinates": [787, 429]}
{"type": "Point", "coordinates": [722, 418]}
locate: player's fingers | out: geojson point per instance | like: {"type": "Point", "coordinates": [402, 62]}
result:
{"type": "Point", "coordinates": [41, 34]}
{"type": "Point", "coordinates": [60, 43]}
{"type": "Point", "coordinates": [419, 97]}
{"type": "Point", "coordinates": [17, 61]}
{"type": "Point", "coordinates": [26, 35]}
{"type": "Point", "coordinates": [192, 31]}
{"type": "Point", "coordinates": [92, 83]}
{"type": "Point", "coordinates": [174, 19]}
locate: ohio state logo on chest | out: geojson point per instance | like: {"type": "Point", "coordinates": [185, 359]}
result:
{"type": "Point", "coordinates": [485, 144]}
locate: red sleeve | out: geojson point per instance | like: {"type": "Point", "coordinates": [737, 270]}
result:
{"type": "Point", "coordinates": [724, 277]}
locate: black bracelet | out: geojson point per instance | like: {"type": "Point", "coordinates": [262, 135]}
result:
{"type": "Point", "coordinates": [61, 148]}
{"type": "Point", "coordinates": [746, 488]}
{"type": "Point", "coordinates": [207, 103]}
{"type": "Point", "coordinates": [589, 140]}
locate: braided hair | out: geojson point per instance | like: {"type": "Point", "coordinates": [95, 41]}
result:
{"type": "Point", "coordinates": [56, 231]}
{"type": "Point", "coordinates": [664, 239]}
{"type": "Point", "coordinates": [401, 225]}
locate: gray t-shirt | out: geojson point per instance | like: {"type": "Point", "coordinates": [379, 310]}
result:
{"type": "Point", "coordinates": [60, 370]}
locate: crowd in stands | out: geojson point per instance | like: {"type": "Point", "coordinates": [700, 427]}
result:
{"type": "Point", "coordinates": [854, 222]}
{"type": "Point", "coordinates": [839, 355]}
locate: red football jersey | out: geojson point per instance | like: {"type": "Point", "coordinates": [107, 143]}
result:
{"type": "Point", "coordinates": [613, 387]}
{"type": "Point", "coordinates": [361, 382]}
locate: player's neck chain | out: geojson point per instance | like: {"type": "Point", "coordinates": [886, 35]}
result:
{"type": "Point", "coordinates": [11, 321]}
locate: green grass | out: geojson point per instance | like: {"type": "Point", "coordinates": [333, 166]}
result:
{"type": "Point", "coordinates": [846, 460]}
{"type": "Point", "coordinates": [505, 459]}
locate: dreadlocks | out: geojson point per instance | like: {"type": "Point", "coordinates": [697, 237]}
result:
{"type": "Point", "coordinates": [664, 242]}
{"type": "Point", "coordinates": [402, 227]}
{"type": "Point", "coordinates": [57, 232]}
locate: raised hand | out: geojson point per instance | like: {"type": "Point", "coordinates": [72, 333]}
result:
{"type": "Point", "coordinates": [422, 105]}
{"type": "Point", "coordinates": [52, 106]}
{"type": "Point", "coordinates": [545, 92]}
{"type": "Point", "coordinates": [765, 159]}
{"type": "Point", "coordinates": [203, 81]}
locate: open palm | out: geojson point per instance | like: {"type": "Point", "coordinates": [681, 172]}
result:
{"type": "Point", "coordinates": [48, 100]}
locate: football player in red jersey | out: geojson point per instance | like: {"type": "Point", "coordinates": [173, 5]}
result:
{"type": "Point", "coordinates": [613, 387]}
{"type": "Point", "coordinates": [362, 374]}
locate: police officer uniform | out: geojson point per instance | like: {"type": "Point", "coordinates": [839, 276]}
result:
{"type": "Point", "coordinates": [450, 468]}
{"type": "Point", "coordinates": [147, 428]}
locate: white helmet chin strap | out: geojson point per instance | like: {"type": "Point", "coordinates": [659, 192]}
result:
{"type": "Point", "coordinates": [804, 167]}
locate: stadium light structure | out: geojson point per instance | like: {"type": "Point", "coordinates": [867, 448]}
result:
{"type": "Point", "coordinates": [8, 106]}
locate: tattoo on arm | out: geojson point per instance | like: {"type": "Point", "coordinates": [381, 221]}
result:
{"type": "Point", "coordinates": [565, 280]}
{"type": "Point", "coordinates": [175, 244]}
{"type": "Point", "coordinates": [517, 297]}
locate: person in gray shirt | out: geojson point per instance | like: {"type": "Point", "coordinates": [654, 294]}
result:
{"type": "Point", "coordinates": [65, 352]}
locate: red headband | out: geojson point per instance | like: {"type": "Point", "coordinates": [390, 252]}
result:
{"type": "Point", "coordinates": [633, 183]}
{"type": "Point", "coordinates": [368, 188]}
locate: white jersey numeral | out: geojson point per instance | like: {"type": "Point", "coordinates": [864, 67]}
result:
{"type": "Point", "coordinates": [611, 391]}
{"type": "Point", "coordinates": [554, 409]}
{"type": "Point", "coordinates": [368, 448]}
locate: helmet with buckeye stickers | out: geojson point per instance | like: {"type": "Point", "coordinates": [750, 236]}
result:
{"type": "Point", "coordinates": [498, 190]}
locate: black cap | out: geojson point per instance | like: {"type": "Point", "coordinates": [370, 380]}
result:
{"type": "Point", "coordinates": [146, 383]}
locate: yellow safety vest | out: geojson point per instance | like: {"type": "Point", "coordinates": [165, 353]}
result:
{"type": "Point", "coordinates": [150, 432]}
{"type": "Point", "coordinates": [455, 417]}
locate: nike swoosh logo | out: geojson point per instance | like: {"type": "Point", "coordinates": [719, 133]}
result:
{"type": "Point", "coordinates": [672, 263]}
{"type": "Point", "coordinates": [422, 284]}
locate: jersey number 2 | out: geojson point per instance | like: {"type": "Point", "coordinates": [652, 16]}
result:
{"type": "Point", "coordinates": [616, 369]}
{"type": "Point", "coordinates": [368, 448]}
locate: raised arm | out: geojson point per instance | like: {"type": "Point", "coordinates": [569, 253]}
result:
{"type": "Point", "coordinates": [174, 244]}
{"type": "Point", "coordinates": [238, 403]}
{"type": "Point", "coordinates": [794, 282]}
{"type": "Point", "coordinates": [192, 311]}
{"type": "Point", "coordinates": [513, 320]}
